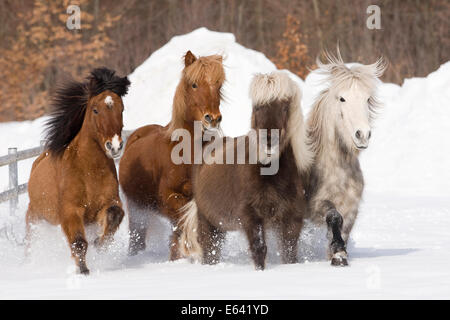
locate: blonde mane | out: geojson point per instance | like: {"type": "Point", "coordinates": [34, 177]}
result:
{"type": "Point", "coordinates": [339, 76]}
{"type": "Point", "coordinates": [209, 69]}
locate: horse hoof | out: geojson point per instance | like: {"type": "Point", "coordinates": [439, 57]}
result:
{"type": "Point", "coordinates": [84, 271]}
{"type": "Point", "coordinates": [339, 259]}
{"type": "Point", "coordinates": [259, 267]}
{"type": "Point", "coordinates": [339, 262]}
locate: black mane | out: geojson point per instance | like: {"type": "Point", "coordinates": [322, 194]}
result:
{"type": "Point", "coordinates": [69, 106]}
{"type": "Point", "coordinates": [102, 79]}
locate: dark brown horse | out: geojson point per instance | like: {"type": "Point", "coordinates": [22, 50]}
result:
{"type": "Point", "coordinates": [237, 196]}
{"type": "Point", "coordinates": [74, 182]}
{"type": "Point", "coordinates": [147, 175]}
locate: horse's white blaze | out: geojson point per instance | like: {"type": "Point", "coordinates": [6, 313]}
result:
{"type": "Point", "coordinates": [109, 101]}
{"type": "Point", "coordinates": [114, 149]}
{"type": "Point", "coordinates": [115, 142]}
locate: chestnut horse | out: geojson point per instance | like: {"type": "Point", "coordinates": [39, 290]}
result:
{"type": "Point", "coordinates": [147, 175]}
{"type": "Point", "coordinates": [238, 196]}
{"type": "Point", "coordinates": [74, 181]}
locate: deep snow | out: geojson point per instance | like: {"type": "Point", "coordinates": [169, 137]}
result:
{"type": "Point", "coordinates": [399, 246]}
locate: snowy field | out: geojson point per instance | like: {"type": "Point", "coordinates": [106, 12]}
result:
{"type": "Point", "coordinates": [399, 246]}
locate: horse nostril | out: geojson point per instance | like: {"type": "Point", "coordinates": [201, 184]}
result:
{"type": "Point", "coordinates": [108, 145]}
{"type": "Point", "coordinates": [208, 118]}
{"type": "Point", "coordinates": [358, 134]}
{"type": "Point", "coordinates": [369, 135]}
{"type": "Point", "coordinates": [219, 118]}
{"type": "Point", "coordinates": [121, 145]}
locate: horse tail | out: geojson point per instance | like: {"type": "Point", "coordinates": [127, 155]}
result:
{"type": "Point", "coordinates": [189, 245]}
{"type": "Point", "coordinates": [278, 86]}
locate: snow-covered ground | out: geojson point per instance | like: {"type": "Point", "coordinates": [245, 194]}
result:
{"type": "Point", "coordinates": [399, 245]}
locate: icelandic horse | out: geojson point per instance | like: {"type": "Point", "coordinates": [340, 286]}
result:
{"type": "Point", "coordinates": [74, 182]}
{"type": "Point", "coordinates": [339, 128]}
{"type": "Point", "coordinates": [239, 196]}
{"type": "Point", "coordinates": [149, 178]}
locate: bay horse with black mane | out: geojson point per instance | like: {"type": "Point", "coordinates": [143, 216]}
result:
{"type": "Point", "coordinates": [238, 196]}
{"type": "Point", "coordinates": [339, 128]}
{"type": "Point", "coordinates": [149, 178]}
{"type": "Point", "coordinates": [74, 182]}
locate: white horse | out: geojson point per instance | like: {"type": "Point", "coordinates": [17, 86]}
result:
{"type": "Point", "coordinates": [339, 127]}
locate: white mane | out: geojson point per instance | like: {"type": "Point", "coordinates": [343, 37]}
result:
{"type": "Point", "coordinates": [338, 77]}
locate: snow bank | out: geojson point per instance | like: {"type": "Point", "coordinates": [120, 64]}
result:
{"type": "Point", "coordinates": [409, 152]}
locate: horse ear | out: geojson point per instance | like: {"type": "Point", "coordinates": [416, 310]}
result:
{"type": "Point", "coordinates": [189, 58]}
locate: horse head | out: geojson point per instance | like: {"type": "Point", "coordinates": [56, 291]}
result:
{"type": "Point", "coordinates": [275, 99]}
{"type": "Point", "coordinates": [351, 99]}
{"type": "Point", "coordinates": [198, 94]}
{"type": "Point", "coordinates": [104, 109]}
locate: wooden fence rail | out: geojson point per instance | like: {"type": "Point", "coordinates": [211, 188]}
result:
{"type": "Point", "coordinates": [11, 160]}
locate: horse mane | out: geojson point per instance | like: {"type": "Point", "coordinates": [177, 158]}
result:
{"type": "Point", "coordinates": [102, 79]}
{"type": "Point", "coordinates": [317, 122]}
{"type": "Point", "coordinates": [276, 86]}
{"type": "Point", "coordinates": [69, 105]}
{"type": "Point", "coordinates": [209, 68]}
{"type": "Point", "coordinates": [339, 76]}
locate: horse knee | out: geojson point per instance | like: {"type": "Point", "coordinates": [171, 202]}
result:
{"type": "Point", "coordinates": [79, 247]}
{"type": "Point", "coordinates": [334, 218]}
{"type": "Point", "coordinates": [114, 215]}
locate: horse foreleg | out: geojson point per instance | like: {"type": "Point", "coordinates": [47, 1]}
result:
{"type": "Point", "coordinates": [109, 218]}
{"type": "Point", "coordinates": [138, 225]}
{"type": "Point", "coordinates": [349, 221]}
{"type": "Point", "coordinates": [211, 240]}
{"type": "Point", "coordinates": [337, 248]}
{"type": "Point", "coordinates": [73, 227]}
{"type": "Point", "coordinates": [257, 241]}
{"type": "Point", "coordinates": [290, 233]}
{"type": "Point", "coordinates": [175, 245]}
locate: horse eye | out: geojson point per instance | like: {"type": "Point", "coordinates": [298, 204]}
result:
{"type": "Point", "coordinates": [95, 111]}
{"type": "Point", "coordinates": [194, 85]}
{"type": "Point", "coordinates": [342, 99]}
